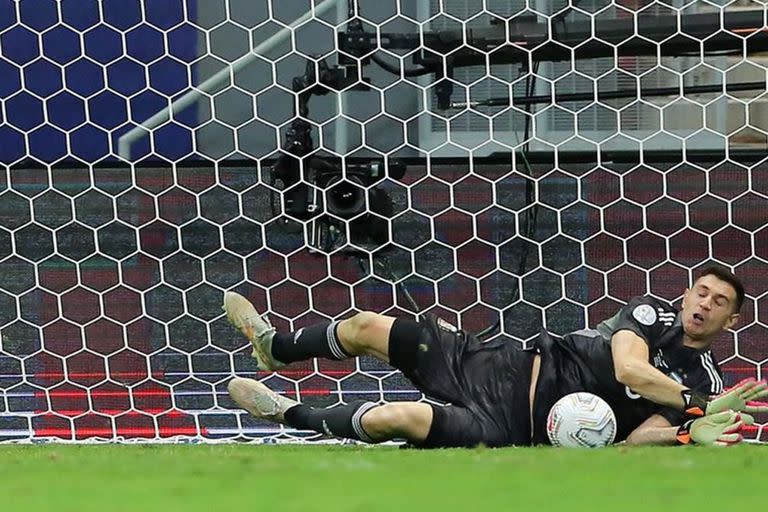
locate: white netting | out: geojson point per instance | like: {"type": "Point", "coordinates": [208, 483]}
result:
{"type": "Point", "coordinates": [146, 168]}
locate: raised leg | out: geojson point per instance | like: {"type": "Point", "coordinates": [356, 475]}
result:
{"type": "Point", "coordinates": [365, 333]}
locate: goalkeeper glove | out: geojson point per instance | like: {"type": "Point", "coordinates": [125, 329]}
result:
{"type": "Point", "coordinates": [740, 398]}
{"type": "Point", "coordinates": [720, 429]}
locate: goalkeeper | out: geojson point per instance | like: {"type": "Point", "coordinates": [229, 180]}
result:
{"type": "Point", "coordinates": [650, 362]}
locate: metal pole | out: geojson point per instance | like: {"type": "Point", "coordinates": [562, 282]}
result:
{"type": "Point", "coordinates": [126, 140]}
{"type": "Point", "coordinates": [611, 95]}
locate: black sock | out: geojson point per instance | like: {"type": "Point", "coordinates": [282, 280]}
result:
{"type": "Point", "coordinates": [340, 421]}
{"type": "Point", "coordinates": [318, 340]}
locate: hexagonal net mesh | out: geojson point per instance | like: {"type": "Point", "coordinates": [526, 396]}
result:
{"type": "Point", "coordinates": [505, 164]}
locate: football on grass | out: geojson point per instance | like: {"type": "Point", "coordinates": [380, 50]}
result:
{"type": "Point", "coordinates": [581, 420]}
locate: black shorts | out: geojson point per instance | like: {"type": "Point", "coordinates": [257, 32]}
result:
{"type": "Point", "coordinates": [485, 384]}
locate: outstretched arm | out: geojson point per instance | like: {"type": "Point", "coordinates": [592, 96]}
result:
{"type": "Point", "coordinates": [720, 429]}
{"type": "Point", "coordinates": [631, 366]}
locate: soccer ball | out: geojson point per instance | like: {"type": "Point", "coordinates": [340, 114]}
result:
{"type": "Point", "coordinates": [581, 420]}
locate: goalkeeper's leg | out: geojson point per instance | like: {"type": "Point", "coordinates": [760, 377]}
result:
{"type": "Point", "coordinates": [364, 334]}
{"type": "Point", "coordinates": [364, 421]}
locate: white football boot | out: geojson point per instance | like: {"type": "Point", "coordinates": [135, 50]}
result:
{"type": "Point", "coordinates": [244, 317]}
{"type": "Point", "coordinates": [259, 400]}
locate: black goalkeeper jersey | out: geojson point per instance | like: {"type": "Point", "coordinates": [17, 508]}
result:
{"type": "Point", "coordinates": [582, 361]}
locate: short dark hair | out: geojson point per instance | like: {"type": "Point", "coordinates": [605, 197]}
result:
{"type": "Point", "coordinates": [726, 275]}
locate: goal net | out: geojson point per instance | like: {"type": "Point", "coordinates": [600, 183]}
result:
{"type": "Point", "coordinates": [505, 164]}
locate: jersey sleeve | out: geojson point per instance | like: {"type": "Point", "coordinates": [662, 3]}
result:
{"type": "Point", "coordinates": [644, 317]}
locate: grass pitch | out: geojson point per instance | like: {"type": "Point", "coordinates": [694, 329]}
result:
{"type": "Point", "coordinates": [190, 478]}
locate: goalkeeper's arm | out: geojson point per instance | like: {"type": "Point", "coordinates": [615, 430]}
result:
{"type": "Point", "coordinates": [721, 429]}
{"type": "Point", "coordinates": [656, 430]}
{"type": "Point", "coordinates": [631, 366]}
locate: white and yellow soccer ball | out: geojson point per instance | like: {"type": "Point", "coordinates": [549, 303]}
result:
{"type": "Point", "coordinates": [581, 420]}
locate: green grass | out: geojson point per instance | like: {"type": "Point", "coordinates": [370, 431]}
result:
{"type": "Point", "coordinates": [188, 478]}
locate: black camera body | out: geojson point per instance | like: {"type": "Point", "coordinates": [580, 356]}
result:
{"type": "Point", "coordinates": [343, 204]}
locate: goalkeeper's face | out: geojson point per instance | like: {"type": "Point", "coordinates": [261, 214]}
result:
{"type": "Point", "coordinates": [708, 308]}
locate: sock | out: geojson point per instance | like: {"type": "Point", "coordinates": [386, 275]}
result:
{"type": "Point", "coordinates": [340, 421]}
{"type": "Point", "coordinates": [318, 340]}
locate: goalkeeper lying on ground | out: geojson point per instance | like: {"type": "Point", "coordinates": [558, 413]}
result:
{"type": "Point", "coordinates": [651, 363]}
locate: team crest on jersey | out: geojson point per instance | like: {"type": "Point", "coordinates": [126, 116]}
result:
{"type": "Point", "coordinates": [644, 314]}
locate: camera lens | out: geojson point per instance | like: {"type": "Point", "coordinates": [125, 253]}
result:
{"type": "Point", "coordinates": [345, 198]}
